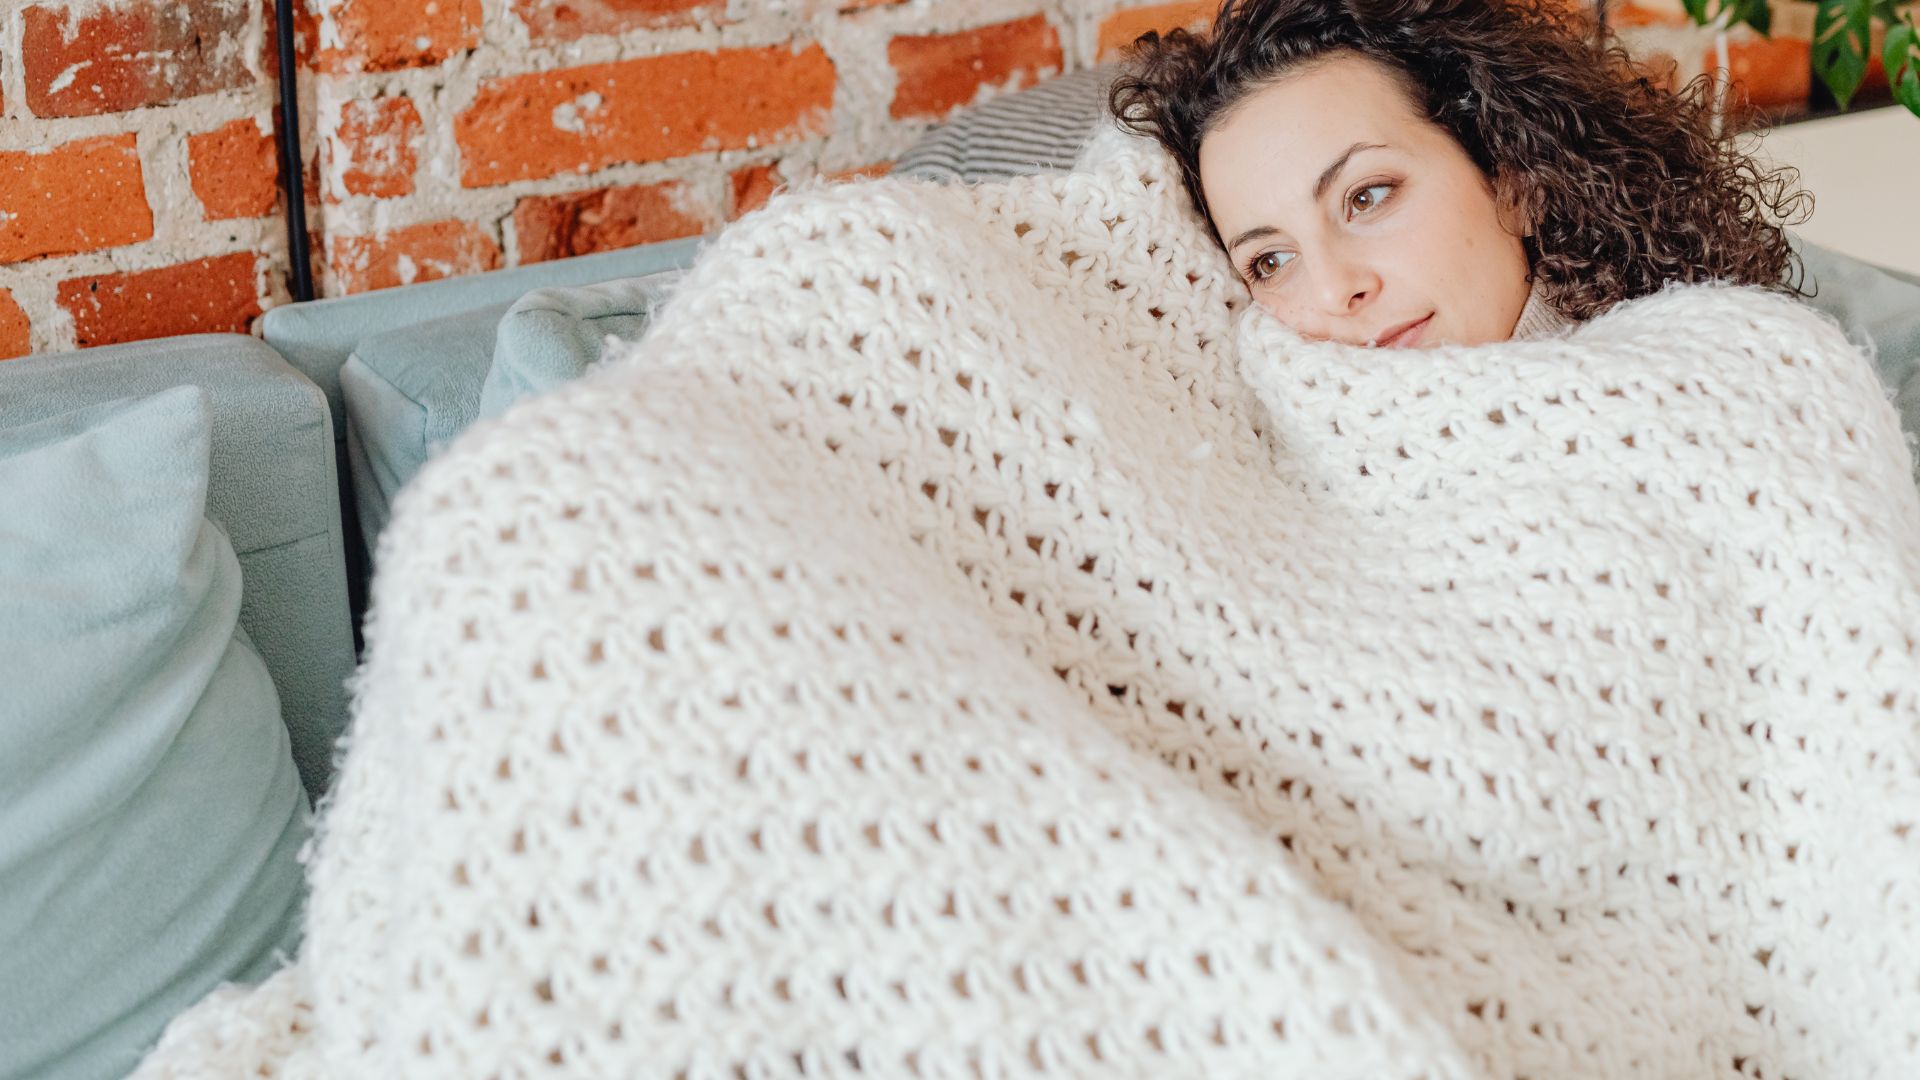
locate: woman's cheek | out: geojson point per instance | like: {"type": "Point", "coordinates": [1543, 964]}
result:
{"type": "Point", "coordinates": [1289, 316]}
{"type": "Point", "coordinates": [1274, 307]}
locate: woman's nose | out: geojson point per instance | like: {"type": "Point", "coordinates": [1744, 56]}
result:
{"type": "Point", "coordinates": [1344, 286]}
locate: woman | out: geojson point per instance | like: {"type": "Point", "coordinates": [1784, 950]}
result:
{"type": "Point", "coordinates": [1417, 172]}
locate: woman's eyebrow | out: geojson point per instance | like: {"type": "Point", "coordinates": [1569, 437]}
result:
{"type": "Point", "coordinates": [1328, 174]}
{"type": "Point", "coordinates": [1255, 233]}
{"type": "Point", "coordinates": [1320, 186]}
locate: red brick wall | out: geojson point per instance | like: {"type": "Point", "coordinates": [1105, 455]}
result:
{"type": "Point", "coordinates": [139, 186]}
{"type": "Point", "coordinates": [507, 132]}
{"type": "Point", "coordinates": [138, 181]}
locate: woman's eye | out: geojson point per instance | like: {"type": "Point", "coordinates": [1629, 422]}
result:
{"type": "Point", "coordinates": [1365, 200]}
{"type": "Point", "coordinates": [1266, 264]}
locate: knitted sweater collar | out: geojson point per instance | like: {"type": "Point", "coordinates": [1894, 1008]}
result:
{"type": "Point", "coordinates": [1539, 318]}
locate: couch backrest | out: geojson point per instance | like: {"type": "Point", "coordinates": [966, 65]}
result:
{"type": "Point", "coordinates": [272, 486]}
{"type": "Point", "coordinates": [316, 337]}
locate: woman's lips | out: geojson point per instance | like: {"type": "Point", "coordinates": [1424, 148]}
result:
{"type": "Point", "coordinates": [1409, 337]}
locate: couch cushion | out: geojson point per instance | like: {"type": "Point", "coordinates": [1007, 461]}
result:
{"type": "Point", "coordinates": [408, 391]}
{"type": "Point", "coordinates": [411, 390]}
{"type": "Point", "coordinates": [316, 337]}
{"type": "Point", "coordinates": [319, 336]}
{"type": "Point", "coordinates": [150, 813]}
{"type": "Point", "coordinates": [1878, 309]}
{"type": "Point", "coordinates": [1041, 129]}
{"type": "Point", "coordinates": [271, 486]}
{"type": "Point", "coordinates": [551, 336]}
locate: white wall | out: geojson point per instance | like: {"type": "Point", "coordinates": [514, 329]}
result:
{"type": "Point", "coordinates": [1864, 172]}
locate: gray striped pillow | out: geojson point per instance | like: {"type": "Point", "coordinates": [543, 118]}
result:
{"type": "Point", "coordinates": [1041, 129]}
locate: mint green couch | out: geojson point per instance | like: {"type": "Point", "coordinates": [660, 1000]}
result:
{"type": "Point", "coordinates": [331, 410]}
{"type": "Point", "coordinates": [405, 370]}
{"type": "Point", "coordinates": [153, 807]}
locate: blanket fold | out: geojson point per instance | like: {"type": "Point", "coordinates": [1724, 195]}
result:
{"type": "Point", "coordinates": [965, 639]}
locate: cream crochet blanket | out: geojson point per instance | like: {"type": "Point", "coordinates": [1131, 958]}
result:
{"type": "Point", "coordinates": [964, 640]}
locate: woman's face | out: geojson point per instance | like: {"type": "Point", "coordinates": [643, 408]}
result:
{"type": "Point", "coordinates": [1355, 219]}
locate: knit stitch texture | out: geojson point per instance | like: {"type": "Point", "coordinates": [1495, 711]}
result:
{"type": "Point", "coordinates": [966, 639]}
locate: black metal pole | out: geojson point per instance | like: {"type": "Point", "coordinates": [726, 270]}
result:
{"type": "Point", "coordinates": [291, 173]}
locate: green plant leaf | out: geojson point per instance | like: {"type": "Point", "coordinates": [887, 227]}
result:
{"type": "Point", "coordinates": [1902, 60]}
{"type": "Point", "coordinates": [1841, 32]}
{"type": "Point", "coordinates": [1755, 13]}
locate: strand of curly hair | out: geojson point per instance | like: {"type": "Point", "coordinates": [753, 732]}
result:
{"type": "Point", "coordinates": [1628, 185]}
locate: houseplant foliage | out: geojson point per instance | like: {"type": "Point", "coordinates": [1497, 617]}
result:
{"type": "Point", "coordinates": [1842, 41]}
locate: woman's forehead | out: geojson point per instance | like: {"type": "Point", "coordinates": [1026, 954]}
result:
{"type": "Point", "coordinates": [1338, 100]}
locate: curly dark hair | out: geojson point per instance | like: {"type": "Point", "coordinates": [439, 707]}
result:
{"type": "Point", "coordinates": [1626, 183]}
